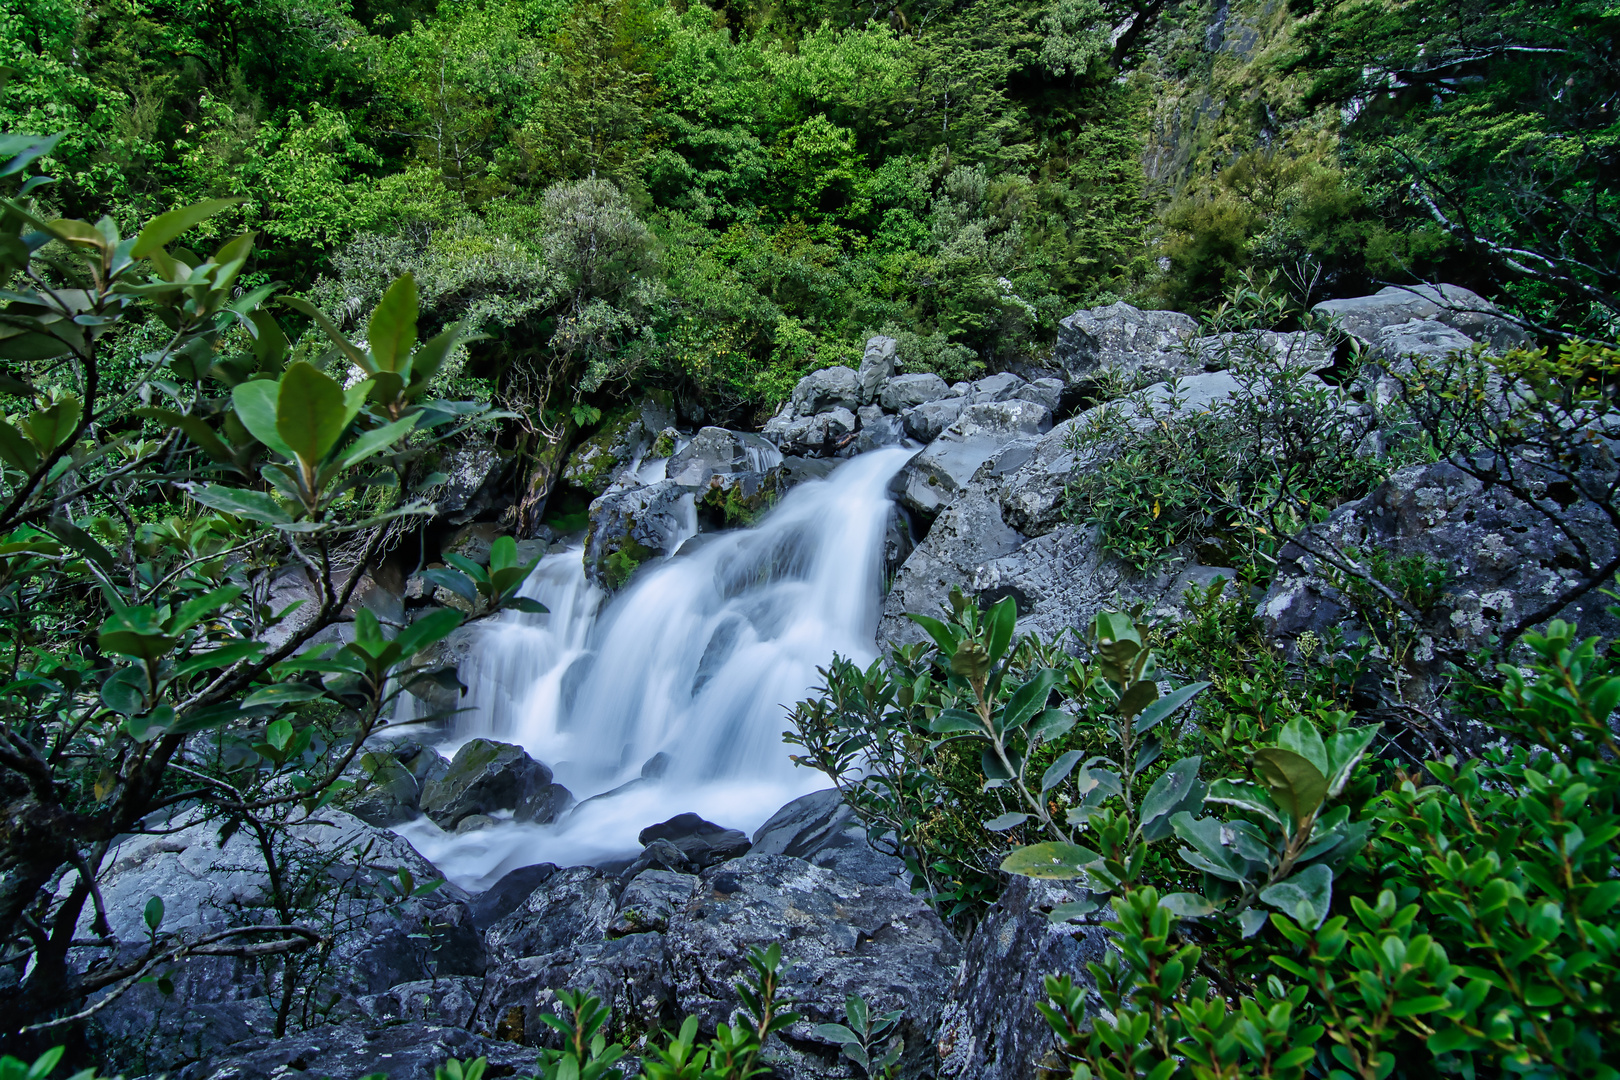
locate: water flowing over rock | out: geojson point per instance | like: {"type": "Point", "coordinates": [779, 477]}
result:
{"type": "Point", "coordinates": [722, 638]}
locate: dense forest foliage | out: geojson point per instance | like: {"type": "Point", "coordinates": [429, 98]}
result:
{"type": "Point", "coordinates": [762, 185]}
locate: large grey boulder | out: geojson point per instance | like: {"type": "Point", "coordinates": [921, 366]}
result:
{"type": "Point", "coordinates": [820, 435]}
{"type": "Point", "coordinates": [221, 1005]}
{"type": "Point", "coordinates": [1045, 391]}
{"type": "Point", "coordinates": [844, 937]}
{"type": "Point", "coordinates": [1505, 560]}
{"type": "Point", "coordinates": [821, 829]}
{"type": "Point", "coordinates": [1298, 349]}
{"type": "Point", "coordinates": [878, 429]}
{"type": "Point", "coordinates": [717, 452]}
{"type": "Point", "coordinates": [407, 1051]}
{"type": "Point", "coordinates": [473, 472]}
{"type": "Point", "coordinates": [1459, 308]}
{"type": "Point", "coordinates": [570, 906]}
{"type": "Point", "coordinates": [999, 387]}
{"type": "Point", "coordinates": [1426, 339]}
{"type": "Point", "coordinates": [828, 388]}
{"type": "Point", "coordinates": [992, 1028]}
{"type": "Point", "coordinates": [931, 479]}
{"type": "Point", "coordinates": [486, 776]}
{"type": "Point", "coordinates": [877, 367]}
{"type": "Point", "coordinates": [629, 527]}
{"type": "Point", "coordinates": [929, 420]}
{"type": "Point", "coordinates": [909, 391]}
{"type": "Point", "coordinates": [1140, 346]}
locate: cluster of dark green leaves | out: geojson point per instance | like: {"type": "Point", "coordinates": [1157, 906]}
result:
{"type": "Point", "coordinates": [150, 676]}
{"type": "Point", "coordinates": [1476, 937]}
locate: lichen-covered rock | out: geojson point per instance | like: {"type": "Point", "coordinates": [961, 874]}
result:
{"type": "Point", "coordinates": [1141, 346]}
{"type": "Point", "coordinates": [625, 436]}
{"type": "Point", "coordinates": [472, 472]}
{"type": "Point", "coordinates": [820, 435]}
{"type": "Point", "coordinates": [877, 367]}
{"type": "Point", "coordinates": [486, 775]}
{"type": "Point", "coordinates": [571, 906]}
{"type": "Point", "coordinates": [1457, 307]}
{"type": "Point", "coordinates": [991, 1029]}
{"type": "Point", "coordinates": [1046, 391]}
{"type": "Point", "coordinates": [629, 527]}
{"type": "Point", "coordinates": [909, 391]}
{"type": "Point", "coordinates": [931, 479]}
{"type": "Point", "coordinates": [929, 420]}
{"type": "Point", "coordinates": [826, 389]}
{"type": "Point", "coordinates": [1426, 339]}
{"type": "Point", "coordinates": [844, 937]}
{"type": "Point", "coordinates": [648, 901]}
{"type": "Point", "coordinates": [1504, 561]}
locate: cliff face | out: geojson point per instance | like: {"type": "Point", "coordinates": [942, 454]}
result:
{"type": "Point", "coordinates": [1219, 89]}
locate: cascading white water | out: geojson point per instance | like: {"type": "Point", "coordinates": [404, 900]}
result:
{"type": "Point", "coordinates": [698, 660]}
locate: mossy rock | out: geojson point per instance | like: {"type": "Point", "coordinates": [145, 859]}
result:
{"type": "Point", "coordinates": [593, 463]}
{"type": "Point", "coordinates": [621, 563]}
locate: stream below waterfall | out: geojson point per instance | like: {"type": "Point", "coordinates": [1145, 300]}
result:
{"type": "Point", "coordinates": [699, 659]}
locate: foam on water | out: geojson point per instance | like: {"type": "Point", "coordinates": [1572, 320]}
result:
{"type": "Point", "coordinates": [699, 659]}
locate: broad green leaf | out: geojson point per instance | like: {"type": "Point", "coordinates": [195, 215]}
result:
{"type": "Point", "coordinates": [1168, 704]}
{"type": "Point", "coordinates": [194, 610]}
{"type": "Point", "coordinates": [1005, 822]}
{"type": "Point", "coordinates": [1297, 786]}
{"type": "Point", "coordinates": [1002, 618]}
{"type": "Point", "coordinates": [1204, 850]}
{"type": "Point", "coordinates": [223, 656]}
{"type": "Point", "coordinates": [1027, 701]}
{"type": "Point", "coordinates": [456, 582]}
{"type": "Point", "coordinates": [1248, 796]}
{"type": "Point", "coordinates": [270, 344]}
{"type": "Point", "coordinates": [196, 430]}
{"type": "Point", "coordinates": [1186, 905]}
{"type": "Point", "coordinates": [377, 440]}
{"type": "Point", "coordinates": [1137, 697]}
{"type": "Point", "coordinates": [51, 427]}
{"type": "Point", "coordinates": [435, 626]}
{"type": "Point", "coordinates": [1346, 748]}
{"type": "Point", "coordinates": [1059, 770]}
{"type": "Point", "coordinates": [1051, 861]}
{"type": "Point", "coordinates": [1177, 789]}
{"type": "Point", "coordinates": [32, 347]}
{"type": "Point", "coordinates": [135, 632]}
{"type": "Point", "coordinates": [256, 404]}
{"type": "Point", "coordinates": [241, 502]}
{"type": "Point", "coordinates": [347, 347]}
{"type": "Point", "coordinates": [1305, 896]}
{"type": "Point", "coordinates": [165, 228]}
{"type": "Point", "coordinates": [152, 915]}
{"type": "Point", "coordinates": [992, 766]}
{"type": "Point", "coordinates": [310, 412]}
{"type": "Point", "coordinates": [391, 333]}
{"type": "Point", "coordinates": [427, 360]}
{"type": "Point", "coordinates": [1051, 725]}
{"type": "Point", "coordinates": [283, 694]}
{"type": "Point", "coordinates": [1301, 736]}
{"type": "Point", "coordinates": [17, 451]}
{"type": "Point", "coordinates": [938, 631]}
{"type": "Point", "coordinates": [955, 720]}
{"type": "Point", "coordinates": [502, 553]}
{"type": "Point", "coordinates": [124, 691]}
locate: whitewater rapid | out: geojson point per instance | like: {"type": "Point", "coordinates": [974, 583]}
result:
{"type": "Point", "coordinates": [699, 660]}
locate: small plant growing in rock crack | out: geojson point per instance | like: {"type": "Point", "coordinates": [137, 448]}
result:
{"type": "Point", "coordinates": [733, 1054]}
{"type": "Point", "coordinates": [869, 1041]}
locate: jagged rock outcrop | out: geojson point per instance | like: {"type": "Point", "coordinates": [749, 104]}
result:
{"type": "Point", "coordinates": [1459, 308]}
{"type": "Point", "coordinates": [991, 1029]}
{"type": "Point", "coordinates": [1134, 345]}
{"type": "Point", "coordinates": [932, 479]}
{"type": "Point", "coordinates": [486, 776]}
{"type": "Point", "coordinates": [877, 367]}
{"type": "Point", "coordinates": [1503, 560]}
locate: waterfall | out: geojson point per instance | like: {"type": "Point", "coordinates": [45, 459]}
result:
{"type": "Point", "coordinates": [698, 660]}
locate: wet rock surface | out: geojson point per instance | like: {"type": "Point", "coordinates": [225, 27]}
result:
{"type": "Point", "coordinates": [487, 776]}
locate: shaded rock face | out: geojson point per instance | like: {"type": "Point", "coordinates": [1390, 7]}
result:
{"type": "Point", "coordinates": [1505, 561]}
{"type": "Point", "coordinates": [828, 388]}
{"type": "Point", "coordinates": [931, 479]}
{"type": "Point", "coordinates": [928, 421]}
{"type": "Point", "coordinates": [626, 436]}
{"type": "Point", "coordinates": [821, 829]}
{"type": "Point", "coordinates": [845, 937]}
{"type": "Point", "coordinates": [405, 1051]}
{"type": "Point", "coordinates": [818, 435]}
{"type": "Point", "coordinates": [877, 367]}
{"type": "Point", "coordinates": [629, 527]}
{"type": "Point", "coordinates": [717, 452]}
{"type": "Point", "coordinates": [222, 1005]}
{"type": "Point", "coordinates": [474, 474]}
{"type": "Point", "coordinates": [1142, 346]}
{"type": "Point", "coordinates": [1453, 305]}
{"type": "Point", "coordinates": [700, 843]}
{"type": "Point", "coordinates": [991, 1028]}
{"type": "Point", "coordinates": [486, 776]}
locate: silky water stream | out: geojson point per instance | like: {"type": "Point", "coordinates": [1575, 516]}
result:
{"type": "Point", "coordinates": [699, 660]}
